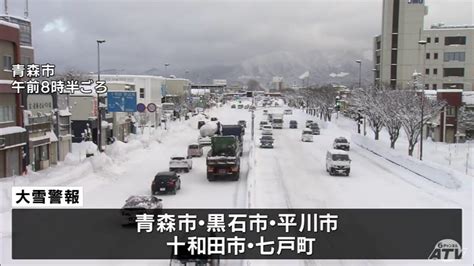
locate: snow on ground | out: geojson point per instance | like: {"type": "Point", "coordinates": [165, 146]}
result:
{"type": "Point", "coordinates": [290, 175]}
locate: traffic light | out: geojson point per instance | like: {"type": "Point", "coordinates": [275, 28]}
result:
{"type": "Point", "coordinates": [338, 104]}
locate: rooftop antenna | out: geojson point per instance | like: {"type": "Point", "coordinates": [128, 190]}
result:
{"type": "Point", "coordinates": [6, 7]}
{"type": "Point", "coordinates": [26, 9]}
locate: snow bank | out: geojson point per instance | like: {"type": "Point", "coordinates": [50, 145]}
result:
{"type": "Point", "coordinates": [435, 173]}
{"type": "Point", "coordinates": [209, 129]}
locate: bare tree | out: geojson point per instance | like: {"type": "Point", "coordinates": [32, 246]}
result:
{"type": "Point", "coordinates": [369, 102]}
{"type": "Point", "coordinates": [466, 118]}
{"type": "Point", "coordinates": [390, 117]}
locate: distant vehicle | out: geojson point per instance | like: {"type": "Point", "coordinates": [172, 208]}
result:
{"type": "Point", "coordinates": [277, 121]}
{"type": "Point", "coordinates": [307, 135]}
{"type": "Point", "coordinates": [315, 128]}
{"type": "Point", "coordinates": [247, 106]}
{"type": "Point", "coordinates": [213, 118]}
{"type": "Point", "coordinates": [341, 143]}
{"type": "Point", "coordinates": [201, 123]}
{"type": "Point", "coordinates": [338, 162]}
{"type": "Point", "coordinates": [293, 124]}
{"type": "Point", "coordinates": [308, 123]}
{"type": "Point", "coordinates": [165, 182]}
{"type": "Point", "coordinates": [266, 141]}
{"type": "Point", "coordinates": [242, 123]}
{"type": "Point", "coordinates": [223, 160]}
{"type": "Point", "coordinates": [138, 205]}
{"type": "Point", "coordinates": [265, 112]}
{"type": "Point", "coordinates": [252, 108]}
{"type": "Point", "coordinates": [288, 112]}
{"type": "Point", "coordinates": [240, 106]}
{"type": "Point", "coordinates": [180, 163]}
{"type": "Point", "coordinates": [195, 150]}
{"type": "Point", "coordinates": [267, 130]}
{"type": "Point", "coordinates": [233, 106]}
{"type": "Point", "coordinates": [263, 123]}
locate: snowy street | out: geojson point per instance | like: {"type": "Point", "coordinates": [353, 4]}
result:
{"type": "Point", "coordinates": [292, 175]}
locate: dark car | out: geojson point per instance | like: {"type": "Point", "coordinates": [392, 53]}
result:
{"type": "Point", "coordinates": [293, 124]}
{"type": "Point", "coordinates": [266, 141]}
{"type": "Point", "coordinates": [232, 106]}
{"type": "Point", "coordinates": [165, 182]}
{"type": "Point", "coordinates": [314, 128]}
{"type": "Point", "coordinates": [213, 118]}
{"type": "Point", "coordinates": [243, 123]}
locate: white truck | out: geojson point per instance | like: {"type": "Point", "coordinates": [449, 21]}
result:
{"type": "Point", "coordinates": [277, 121]}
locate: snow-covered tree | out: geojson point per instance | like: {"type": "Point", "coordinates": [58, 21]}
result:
{"type": "Point", "coordinates": [389, 114]}
{"type": "Point", "coordinates": [369, 102]}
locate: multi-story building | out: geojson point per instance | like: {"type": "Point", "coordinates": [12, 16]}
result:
{"type": "Point", "coordinates": [445, 59]}
{"type": "Point", "coordinates": [13, 137]}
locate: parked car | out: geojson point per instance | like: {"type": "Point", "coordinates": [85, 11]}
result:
{"type": "Point", "coordinates": [181, 163]}
{"type": "Point", "coordinates": [307, 135]}
{"type": "Point", "coordinates": [247, 106]}
{"type": "Point", "coordinates": [315, 128]}
{"type": "Point", "coordinates": [195, 150]}
{"type": "Point", "coordinates": [165, 182]}
{"type": "Point", "coordinates": [263, 123]}
{"type": "Point", "coordinates": [240, 106]}
{"type": "Point", "coordinates": [265, 111]}
{"type": "Point", "coordinates": [267, 130]}
{"type": "Point", "coordinates": [204, 141]}
{"type": "Point", "coordinates": [308, 123]}
{"type": "Point", "coordinates": [288, 112]}
{"type": "Point", "coordinates": [293, 124]}
{"type": "Point", "coordinates": [233, 106]}
{"type": "Point", "coordinates": [341, 143]}
{"type": "Point", "coordinates": [213, 118]}
{"type": "Point", "coordinates": [266, 141]}
{"type": "Point", "coordinates": [338, 162]}
{"type": "Point", "coordinates": [138, 205]}
{"type": "Point", "coordinates": [242, 123]}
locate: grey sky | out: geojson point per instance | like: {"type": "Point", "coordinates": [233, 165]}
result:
{"type": "Point", "coordinates": [142, 34]}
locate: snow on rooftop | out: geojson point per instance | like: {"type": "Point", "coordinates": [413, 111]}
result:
{"type": "Point", "coordinates": [64, 112]}
{"type": "Point", "coordinates": [11, 130]}
{"type": "Point", "coordinates": [52, 136]}
{"type": "Point", "coordinates": [468, 97]}
{"type": "Point", "coordinates": [334, 151]}
{"type": "Point", "coordinates": [27, 47]}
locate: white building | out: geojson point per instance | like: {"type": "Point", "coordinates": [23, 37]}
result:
{"type": "Point", "coordinates": [446, 59]}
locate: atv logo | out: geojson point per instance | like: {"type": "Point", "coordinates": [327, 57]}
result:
{"type": "Point", "coordinates": [446, 249]}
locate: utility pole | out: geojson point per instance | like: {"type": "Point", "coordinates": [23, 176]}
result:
{"type": "Point", "coordinates": [99, 113]}
{"type": "Point", "coordinates": [360, 85]}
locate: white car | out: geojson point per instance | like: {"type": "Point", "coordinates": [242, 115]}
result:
{"type": "Point", "coordinates": [267, 130]}
{"type": "Point", "coordinates": [138, 205]}
{"type": "Point", "coordinates": [181, 163]}
{"type": "Point", "coordinates": [307, 135]}
{"type": "Point", "coordinates": [338, 162]}
{"type": "Point", "coordinates": [341, 143]}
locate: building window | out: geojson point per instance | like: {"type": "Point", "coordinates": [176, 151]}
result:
{"type": "Point", "coordinates": [427, 86]}
{"type": "Point", "coordinates": [435, 56]}
{"type": "Point", "coordinates": [394, 57]}
{"type": "Point", "coordinates": [427, 71]}
{"type": "Point", "coordinates": [7, 62]}
{"type": "Point", "coordinates": [142, 93]}
{"type": "Point", "coordinates": [435, 71]}
{"type": "Point", "coordinates": [428, 56]}
{"type": "Point", "coordinates": [454, 56]}
{"type": "Point", "coordinates": [25, 60]}
{"type": "Point", "coordinates": [453, 86]}
{"type": "Point", "coordinates": [7, 114]}
{"type": "Point", "coordinates": [450, 111]}
{"type": "Point", "coordinates": [455, 40]}
{"type": "Point", "coordinates": [435, 86]}
{"type": "Point", "coordinates": [428, 40]}
{"type": "Point", "coordinates": [436, 39]}
{"type": "Point", "coordinates": [453, 72]}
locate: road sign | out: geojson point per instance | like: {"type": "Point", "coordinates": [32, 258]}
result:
{"type": "Point", "coordinates": [121, 101]}
{"type": "Point", "coordinates": [141, 107]}
{"type": "Point", "coordinates": [151, 107]}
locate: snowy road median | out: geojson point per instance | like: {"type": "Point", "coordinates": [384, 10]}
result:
{"type": "Point", "coordinates": [431, 171]}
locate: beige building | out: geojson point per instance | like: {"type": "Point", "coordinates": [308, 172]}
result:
{"type": "Point", "coordinates": [446, 60]}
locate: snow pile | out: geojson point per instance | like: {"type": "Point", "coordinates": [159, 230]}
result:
{"type": "Point", "coordinates": [208, 129]}
{"type": "Point", "coordinates": [435, 173]}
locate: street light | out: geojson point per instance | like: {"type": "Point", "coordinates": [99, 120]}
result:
{"type": "Point", "coordinates": [166, 69]}
{"type": "Point", "coordinates": [422, 42]}
{"type": "Point", "coordinates": [99, 115]}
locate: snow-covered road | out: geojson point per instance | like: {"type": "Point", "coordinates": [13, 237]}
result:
{"type": "Point", "coordinates": [292, 175]}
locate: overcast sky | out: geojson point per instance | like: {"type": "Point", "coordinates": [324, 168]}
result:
{"type": "Point", "coordinates": [142, 34]}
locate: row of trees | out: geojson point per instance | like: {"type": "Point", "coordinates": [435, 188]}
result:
{"type": "Point", "coordinates": [320, 98]}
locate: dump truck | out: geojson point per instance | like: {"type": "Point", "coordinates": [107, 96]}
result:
{"type": "Point", "coordinates": [234, 130]}
{"type": "Point", "coordinates": [223, 160]}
